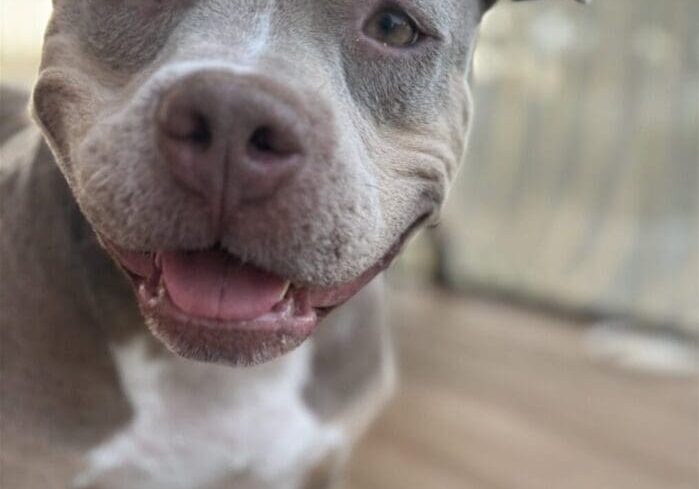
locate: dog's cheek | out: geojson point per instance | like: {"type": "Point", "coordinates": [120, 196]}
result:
{"type": "Point", "coordinates": [460, 117]}
{"type": "Point", "coordinates": [61, 105]}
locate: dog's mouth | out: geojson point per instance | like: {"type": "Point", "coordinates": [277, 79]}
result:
{"type": "Point", "coordinates": [215, 288]}
{"type": "Point", "coordinates": [209, 305]}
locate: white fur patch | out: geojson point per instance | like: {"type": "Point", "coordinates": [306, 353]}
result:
{"type": "Point", "coordinates": [262, 33]}
{"type": "Point", "coordinates": [259, 42]}
{"type": "Point", "coordinates": [197, 425]}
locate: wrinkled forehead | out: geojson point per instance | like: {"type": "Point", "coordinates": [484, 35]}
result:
{"type": "Point", "coordinates": [119, 24]}
{"type": "Point", "coordinates": [440, 10]}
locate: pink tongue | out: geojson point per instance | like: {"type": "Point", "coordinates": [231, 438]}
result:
{"type": "Point", "coordinates": [214, 285]}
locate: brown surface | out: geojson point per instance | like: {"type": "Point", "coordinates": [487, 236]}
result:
{"type": "Point", "coordinates": [499, 398]}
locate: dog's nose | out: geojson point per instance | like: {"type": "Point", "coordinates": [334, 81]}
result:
{"type": "Point", "coordinates": [231, 138]}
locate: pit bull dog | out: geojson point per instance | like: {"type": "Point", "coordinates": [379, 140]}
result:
{"type": "Point", "coordinates": [228, 173]}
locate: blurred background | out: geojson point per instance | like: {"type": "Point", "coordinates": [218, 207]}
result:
{"type": "Point", "coordinates": [547, 331]}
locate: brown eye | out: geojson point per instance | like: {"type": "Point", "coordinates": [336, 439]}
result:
{"type": "Point", "coordinates": [393, 28]}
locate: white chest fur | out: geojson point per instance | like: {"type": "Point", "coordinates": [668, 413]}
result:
{"type": "Point", "coordinates": [200, 426]}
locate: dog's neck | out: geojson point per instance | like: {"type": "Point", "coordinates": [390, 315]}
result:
{"type": "Point", "coordinates": [207, 422]}
{"type": "Point", "coordinates": [55, 367]}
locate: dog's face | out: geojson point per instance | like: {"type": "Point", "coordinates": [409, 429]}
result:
{"type": "Point", "coordinates": [251, 164]}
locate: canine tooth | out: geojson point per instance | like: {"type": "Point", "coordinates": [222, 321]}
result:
{"type": "Point", "coordinates": [286, 288]}
{"type": "Point", "coordinates": [152, 300]}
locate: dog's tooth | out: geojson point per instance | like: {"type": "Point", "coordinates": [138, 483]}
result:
{"type": "Point", "coordinates": [152, 300]}
{"type": "Point", "coordinates": [142, 291]}
{"type": "Point", "coordinates": [286, 288]}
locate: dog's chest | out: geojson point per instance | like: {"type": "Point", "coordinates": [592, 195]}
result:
{"type": "Point", "coordinates": [202, 426]}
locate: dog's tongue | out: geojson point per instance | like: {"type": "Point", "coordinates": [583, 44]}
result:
{"type": "Point", "coordinates": [214, 285]}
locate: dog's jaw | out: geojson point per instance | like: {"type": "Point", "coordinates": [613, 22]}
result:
{"type": "Point", "coordinates": [210, 306]}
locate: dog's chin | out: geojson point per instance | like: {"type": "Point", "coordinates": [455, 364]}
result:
{"type": "Point", "coordinates": [236, 343]}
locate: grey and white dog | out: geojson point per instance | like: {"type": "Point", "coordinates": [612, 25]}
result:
{"type": "Point", "coordinates": [249, 166]}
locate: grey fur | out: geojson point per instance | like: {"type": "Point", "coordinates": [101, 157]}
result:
{"type": "Point", "coordinates": [398, 125]}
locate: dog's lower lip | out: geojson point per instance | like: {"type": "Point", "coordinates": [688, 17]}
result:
{"type": "Point", "coordinates": [233, 342]}
{"type": "Point", "coordinates": [290, 312]}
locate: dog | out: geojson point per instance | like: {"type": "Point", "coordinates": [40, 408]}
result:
{"type": "Point", "coordinates": [235, 175]}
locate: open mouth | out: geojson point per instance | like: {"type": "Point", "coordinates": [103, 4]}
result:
{"type": "Point", "coordinates": [216, 289]}
{"type": "Point", "coordinates": [209, 305]}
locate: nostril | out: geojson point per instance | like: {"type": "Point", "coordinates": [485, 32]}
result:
{"type": "Point", "coordinates": [200, 132]}
{"type": "Point", "coordinates": [190, 128]}
{"type": "Point", "coordinates": [261, 140]}
{"type": "Point", "coordinates": [268, 144]}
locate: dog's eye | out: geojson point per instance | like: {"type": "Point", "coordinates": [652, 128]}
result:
{"type": "Point", "coordinates": [393, 28]}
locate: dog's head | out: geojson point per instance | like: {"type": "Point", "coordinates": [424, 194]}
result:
{"type": "Point", "coordinates": [251, 164]}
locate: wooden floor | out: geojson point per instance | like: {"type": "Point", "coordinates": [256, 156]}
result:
{"type": "Point", "coordinates": [495, 397]}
